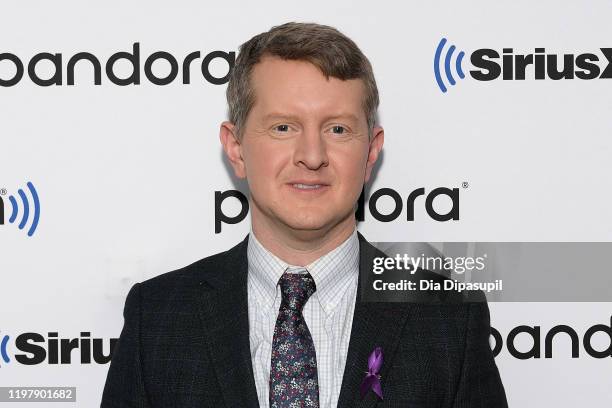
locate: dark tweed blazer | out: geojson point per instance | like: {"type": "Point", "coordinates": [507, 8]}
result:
{"type": "Point", "coordinates": [185, 343]}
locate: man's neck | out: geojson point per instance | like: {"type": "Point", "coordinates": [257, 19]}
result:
{"type": "Point", "coordinates": [301, 248]}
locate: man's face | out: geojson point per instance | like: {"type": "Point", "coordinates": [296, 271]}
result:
{"type": "Point", "coordinates": [305, 148]}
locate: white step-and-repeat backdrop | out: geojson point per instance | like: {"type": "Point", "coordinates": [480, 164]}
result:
{"type": "Point", "coordinates": [111, 171]}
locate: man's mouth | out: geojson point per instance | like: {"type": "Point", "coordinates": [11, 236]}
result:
{"type": "Point", "coordinates": [308, 185]}
{"type": "Point", "coordinates": [302, 186]}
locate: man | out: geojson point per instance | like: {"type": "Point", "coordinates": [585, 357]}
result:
{"type": "Point", "coordinates": [278, 319]}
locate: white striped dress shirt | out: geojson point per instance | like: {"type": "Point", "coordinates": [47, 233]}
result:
{"type": "Point", "coordinates": [328, 312]}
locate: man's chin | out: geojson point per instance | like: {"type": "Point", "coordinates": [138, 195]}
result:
{"type": "Point", "coordinates": [312, 225]}
{"type": "Point", "coordinates": [305, 227]}
{"type": "Point", "coordinates": [308, 223]}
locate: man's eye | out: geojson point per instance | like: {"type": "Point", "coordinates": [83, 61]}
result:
{"type": "Point", "coordinates": [338, 129]}
{"type": "Point", "coordinates": [281, 128]}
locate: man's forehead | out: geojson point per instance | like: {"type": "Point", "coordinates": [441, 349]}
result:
{"type": "Point", "coordinates": [296, 81]}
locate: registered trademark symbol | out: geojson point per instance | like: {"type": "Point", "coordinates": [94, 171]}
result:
{"type": "Point", "coordinates": [465, 184]}
{"type": "Point", "coordinates": [2, 191]}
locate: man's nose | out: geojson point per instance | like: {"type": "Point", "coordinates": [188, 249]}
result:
{"type": "Point", "coordinates": [311, 150]}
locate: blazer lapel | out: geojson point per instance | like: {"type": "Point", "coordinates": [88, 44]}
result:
{"type": "Point", "coordinates": [224, 311]}
{"type": "Point", "coordinates": [374, 325]}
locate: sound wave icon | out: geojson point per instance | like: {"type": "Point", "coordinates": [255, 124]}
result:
{"type": "Point", "coordinates": [3, 352]}
{"type": "Point", "coordinates": [447, 67]}
{"type": "Point", "coordinates": [25, 205]}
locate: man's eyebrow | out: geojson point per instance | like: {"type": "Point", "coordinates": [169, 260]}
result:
{"type": "Point", "coordinates": [346, 115]}
{"type": "Point", "coordinates": [279, 115]}
{"type": "Point", "coordinates": [287, 116]}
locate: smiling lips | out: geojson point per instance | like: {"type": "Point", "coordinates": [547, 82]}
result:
{"type": "Point", "coordinates": [308, 186]}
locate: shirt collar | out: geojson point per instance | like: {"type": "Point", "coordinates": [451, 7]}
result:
{"type": "Point", "coordinates": [333, 272]}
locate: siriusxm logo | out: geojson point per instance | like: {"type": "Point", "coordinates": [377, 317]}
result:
{"type": "Point", "coordinates": [34, 348]}
{"type": "Point", "coordinates": [29, 206]}
{"type": "Point", "coordinates": [490, 64]}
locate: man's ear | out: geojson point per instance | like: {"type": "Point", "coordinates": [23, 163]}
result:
{"type": "Point", "coordinates": [232, 148]}
{"type": "Point", "coordinates": [376, 144]}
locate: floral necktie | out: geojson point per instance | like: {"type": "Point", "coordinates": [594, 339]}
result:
{"type": "Point", "coordinates": [293, 373]}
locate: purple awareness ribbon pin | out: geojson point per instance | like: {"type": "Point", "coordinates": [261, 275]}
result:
{"type": "Point", "coordinates": [372, 379]}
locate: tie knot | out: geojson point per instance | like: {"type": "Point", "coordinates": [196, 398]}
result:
{"type": "Point", "coordinates": [296, 288]}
